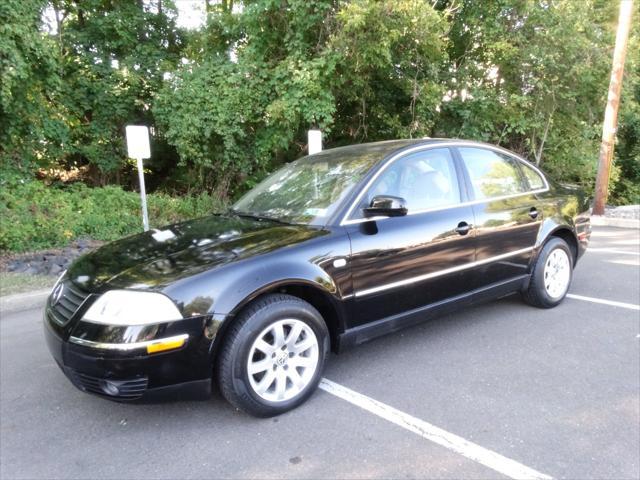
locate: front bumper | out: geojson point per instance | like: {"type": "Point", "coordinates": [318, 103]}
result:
{"type": "Point", "coordinates": [131, 373]}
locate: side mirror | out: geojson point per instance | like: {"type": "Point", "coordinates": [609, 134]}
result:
{"type": "Point", "coordinates": [386, 205]}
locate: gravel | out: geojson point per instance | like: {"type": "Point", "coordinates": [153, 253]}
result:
{"type": "Point", "coordinates": [47, 262]}
{"type": "Point", "coordinates": [626, 211]}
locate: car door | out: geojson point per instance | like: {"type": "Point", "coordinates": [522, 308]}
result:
{"type": "Point", "coordinates": [403, 263]}
{"type": "Point", "coordinates": [506, 211]}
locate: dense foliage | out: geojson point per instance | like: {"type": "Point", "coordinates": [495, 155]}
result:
{"type": "Point", "coordinates": [232, 100]}
{"type": "Point", "coordinates": [34, 216]}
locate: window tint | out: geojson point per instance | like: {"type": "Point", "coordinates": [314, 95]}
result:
{"type": "Point", "coordinates": [424, 179]}
{"type": "Point", "coordinates": [491, 174]}
{"type": "Point", "coordinates": [535, 180]}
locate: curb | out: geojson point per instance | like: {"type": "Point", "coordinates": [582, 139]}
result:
{"type": "Point", "coordinates": [23, 301]}
{"type": "Point", "coordinates": [602, 221]}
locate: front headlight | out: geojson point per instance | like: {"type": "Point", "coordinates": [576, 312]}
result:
{"type": "Point", "coordinates": [128, 307]}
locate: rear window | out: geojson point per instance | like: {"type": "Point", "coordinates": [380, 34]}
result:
{"type": "Point", "coordinates": [491, 174]}
{"type": "Point", "coordinates": [534, 178]}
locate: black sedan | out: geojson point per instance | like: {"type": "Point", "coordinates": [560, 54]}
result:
{"type": "Point", "coordinates": [330, 251]}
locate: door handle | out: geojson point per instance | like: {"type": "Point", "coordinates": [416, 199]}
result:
{"type": "Point", "coordinates": [463, 228]}
{"type": "Point", "coordinates": [533, 213]}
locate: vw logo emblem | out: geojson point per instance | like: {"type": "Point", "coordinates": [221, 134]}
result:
{"type": "Point", "coordinates": [282, 359]}
{"type": "Point", "coordinates": [56, 294]}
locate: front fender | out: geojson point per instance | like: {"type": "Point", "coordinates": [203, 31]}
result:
{"type": "Point", "coordinates": [224, 290]}
{"type": "Point", "coordinates": [242, 290]}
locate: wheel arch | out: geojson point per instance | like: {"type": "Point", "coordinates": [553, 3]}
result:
{"type": "Point", "coordinates": [570, 238]}
{"type": "Point", "coordinates": [563, 231]}
{"type": "Point", "coordinates": [329, 307]}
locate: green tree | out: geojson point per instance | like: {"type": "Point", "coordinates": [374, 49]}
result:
{"type": "Point", "coordinates": [232, 100]}
{"type": "Point", "coordinates": [626, 171]}
{"type": "Point", "coordinates": [531, 76]}
{"type": "Point", "coordinates": [243, 101]}
{"type": "Point", "coordinates": [31, 122]}
{"type": "Point", "coordinates": [67, 94]}
{"type": "Point", "coordinates": [390, 57]}
{"type": "Point", "coordinates": [359, 71]}
{"type": "Point", "coordinates": [113, 57]}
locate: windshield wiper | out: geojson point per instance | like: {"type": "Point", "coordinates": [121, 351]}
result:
{"type": "Point", "coordinates": [257, 216]}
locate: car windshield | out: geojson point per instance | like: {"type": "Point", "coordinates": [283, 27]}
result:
{"type": "Point", "coordinates": [309, 190]}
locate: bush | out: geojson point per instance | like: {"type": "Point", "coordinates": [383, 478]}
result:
{"type": "Point", "coordinates": [34, 216]}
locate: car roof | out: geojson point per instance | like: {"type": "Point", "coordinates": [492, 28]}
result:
{"type": "Point", "coordinates": [385, 148]}
{"type": "Point", "coordinates": [381, 149]}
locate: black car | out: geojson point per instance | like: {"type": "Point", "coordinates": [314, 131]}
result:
{"type": "Point", "coordinates": [330, 251]}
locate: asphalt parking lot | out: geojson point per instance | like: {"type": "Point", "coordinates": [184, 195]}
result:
{"type": "Point", "coordinates": [554, 392]}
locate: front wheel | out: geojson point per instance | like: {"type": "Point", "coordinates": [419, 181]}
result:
{"type": "Point", "coordinates": [273, 357]}
{"type": "Point", "coordinates": [551, 275]}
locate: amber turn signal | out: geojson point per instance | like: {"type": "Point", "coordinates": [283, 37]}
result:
{"type": "Point", "coordinates": [167, 344]}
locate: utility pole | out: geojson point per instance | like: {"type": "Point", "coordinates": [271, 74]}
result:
{"type": "Point", "coordinates": [613, 102]}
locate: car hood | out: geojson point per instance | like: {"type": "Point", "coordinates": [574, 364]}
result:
{"type": "Point", "coordinates": [155, 259]}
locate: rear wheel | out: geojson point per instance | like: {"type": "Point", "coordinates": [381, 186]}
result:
{"type": "Point", "coordinates": [551, 275]}
{"type": "Point", "coordinates": [273, 357]}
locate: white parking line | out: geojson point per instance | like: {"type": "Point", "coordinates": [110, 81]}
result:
{"type": "Point", "coordinates": [631, 263]}
{"type": "Point", "coordinates": [488, 458]}
{"type": "Point", "coordinates": [612, 250]}
{"type": "Point", "coordinates": [630, 306]}
{"type": "Point", "coordinates": [625, 243]}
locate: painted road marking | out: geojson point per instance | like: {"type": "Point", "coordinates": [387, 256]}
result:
{"type": "Point", "coordinates": [630, 306]}
{"type": "Point", "coordinates": [601, 233]}
{"type": "Point", "coordinates": [450, 441]}
{"type": "Point", "coordinates": [626, 243]}
{"type": "Point", "coordinates": [632, 263]}
{"type": "Point", "coordinates": [612, 250]}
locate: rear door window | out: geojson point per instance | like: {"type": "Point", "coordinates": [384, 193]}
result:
{"type": "Point", "coordinates": [535, 180]}
{"type": "Point", "coordinates": [492, 175]}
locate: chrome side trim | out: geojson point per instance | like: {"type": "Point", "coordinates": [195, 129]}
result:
{"type": "Point", "coordinates": [346, 221]}
{"type": "Point", "coordinates": [125, 347]}
{"type": "Point", "coordinates": [439, 273]}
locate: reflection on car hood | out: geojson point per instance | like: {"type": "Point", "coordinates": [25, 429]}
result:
{"type": "Point", "coordinates": [157, 258]}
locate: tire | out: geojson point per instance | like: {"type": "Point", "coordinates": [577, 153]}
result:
{"type": "Point", "coordinates": [279, 358]}
{"type": "Point", "coordinates": [551, 276]}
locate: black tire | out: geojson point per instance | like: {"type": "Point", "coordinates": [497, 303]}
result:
{"type": "Point", "coordinates": [536, 294]}
{"type": "Point", "coordinates": [231, 368]}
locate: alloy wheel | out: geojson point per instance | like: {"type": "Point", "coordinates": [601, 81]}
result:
{"type": "Point", "coordinates": [283, 360]}
{"type": "Point", "coordinates": [557, 273]}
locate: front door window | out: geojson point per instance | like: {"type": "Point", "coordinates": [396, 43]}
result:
{"type": "Point", "coordinates": [426, 180]}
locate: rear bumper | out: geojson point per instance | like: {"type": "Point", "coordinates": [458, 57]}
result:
{"type": "Point", "coordinates": [134, 375]}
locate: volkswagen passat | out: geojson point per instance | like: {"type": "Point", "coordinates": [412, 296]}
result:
{"type": "Point", "coordinates": [330, 251]}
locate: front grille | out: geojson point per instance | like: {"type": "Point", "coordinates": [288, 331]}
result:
{"type": "Point", "coordinates": [131, 389]}
{"type": "Point", "coordinates": [69, 302]}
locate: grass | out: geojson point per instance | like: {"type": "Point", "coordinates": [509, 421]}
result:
{"type": "Point", "coordinates": [12, 283]}
{"type": "Point", "coordinates": [34, 216]}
